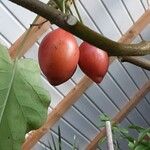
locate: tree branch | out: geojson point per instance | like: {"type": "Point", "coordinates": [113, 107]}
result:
{"type": "Point", "coordinates": [138, 61]}
{"type": "Point", "coordinates": [71, 24]}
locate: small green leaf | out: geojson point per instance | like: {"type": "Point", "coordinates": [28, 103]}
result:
{"type": "Point", "coordinates": [104, 118]}
{"type": "Point", "coordinates": [148, 134]}
{"type": "Point", "coordinates": [102, 140]}
{"type": "Point", "coordinates": [120, 129]}
{"type": "Point", "coordinates": [123, 130]}
{"type": "Point", "coordinates": [138, 128]}
{"type": "Point", "coordinates": [23, 101]}
{"type": "Point", "coordinates": [143, 134]}
{"type": "Point", "coordinates": [129, 138]}
{"type": "Point", "coordinates": [131, 145]}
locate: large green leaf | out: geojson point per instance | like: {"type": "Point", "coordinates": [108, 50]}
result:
{"type": "Point", "coordinates": [23, 101]}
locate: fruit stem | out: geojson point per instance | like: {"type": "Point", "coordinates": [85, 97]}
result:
{"type": "Point", "coordinates": [64, 6]}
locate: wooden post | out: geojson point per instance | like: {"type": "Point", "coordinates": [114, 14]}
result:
{"type": "Point", "coordinates": [85, 82]}
{"type": "Point", "coordinates": [122, 114]}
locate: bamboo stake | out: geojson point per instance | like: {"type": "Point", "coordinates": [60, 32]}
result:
{"type": "Point", "coordinates": [109, 136]}
{"type": "Point", "coordinates": [85, 82]}
{"type": "Point", "coordinates": [122, 114]}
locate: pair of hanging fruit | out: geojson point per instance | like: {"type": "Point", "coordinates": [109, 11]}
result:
{"type": "Point", "coordinates": [59, 55]}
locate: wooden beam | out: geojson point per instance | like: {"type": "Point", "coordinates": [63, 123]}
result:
{"type": "Point", "coordinates": [57, 112]}
{"type": "Point", "coordinates": [33, 36]}
{"type": "Point", "coordinates": [85, 82]}
{"type": "Point", "coordinates": [121, 114]}
{"type": "Point", "coordinates": [136, 29]}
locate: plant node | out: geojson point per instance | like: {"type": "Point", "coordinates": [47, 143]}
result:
{"type": "Point", "coordinates": [71, 20]}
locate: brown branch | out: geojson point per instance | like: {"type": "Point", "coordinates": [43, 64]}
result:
{"type": "Point", "coordinates": [71, 24]}
{"type": "Point", "coordinates": [138, 61]}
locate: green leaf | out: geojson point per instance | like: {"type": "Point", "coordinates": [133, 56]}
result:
{"type": "Point", "coordinates": [142, 147]}
{"type": "Point", "coordinates": [143, 134]}
{"type": "Point", "coordinates": [23, 101]}
{"type": "Point", "coordinates": [123, 130]}
{"type": "Point", "coordinates": [138, 128]}
{"type": "Point", "coordinates": [131, 145]}
{"type": "Point", "coordinates": [145, 142]}
{"type": "Point", "coordinates": [104, 118]}
{"type": "Point", "coordinates": [148, 134]}
{"type": "Point", "coordinates": [128, 137]}
{"type": "Point", "coordinates": [102, 140]}
{"type": "Point", "coordinates": [120, 129]}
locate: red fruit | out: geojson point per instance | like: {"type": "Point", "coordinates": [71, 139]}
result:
{"type": "Point", "coordinates": [58, 56]}
{"type": "Point", "coordinates": [93, 62]}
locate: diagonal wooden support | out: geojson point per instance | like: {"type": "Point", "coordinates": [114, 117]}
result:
{"type": "Point", "coordinates": [33, 36]}
{"type": "Point", "coordinates": [85, 82]}
{"type": "Point", "coordinates": [121, 114]}
{"type": "Point", "coordinates": [57, 112]}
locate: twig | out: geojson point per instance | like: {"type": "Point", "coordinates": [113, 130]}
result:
{"type": "Point", "coordinates": [39, 24]}
{"type": "Point", "coordinates": [77, 11]}
{"type": "Point", "coordinates": [138, 61]}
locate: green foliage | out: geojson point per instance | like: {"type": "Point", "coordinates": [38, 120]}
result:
{"type": "Point", "coordinates": [122, 133]}
{"type": "Point", "coordinates": [104, 118]}
{"type": "Point", "coordinates": [139, 129]}
{"type": "Point", "coordinates": [23, 102]}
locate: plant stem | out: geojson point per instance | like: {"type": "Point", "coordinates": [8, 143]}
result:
{"type": "Point", "coordinates": [64, 6]}
{"type": "Point", "coordinates": [75, 6]}
{"type": "Point", "coordinates": [9, 89]}
{"type": "Point", "coordinates": [138, 61]}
